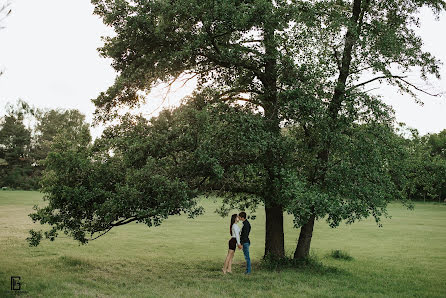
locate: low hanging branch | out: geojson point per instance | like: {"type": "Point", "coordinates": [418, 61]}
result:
{"type": "Point", "coordinates": [116, 224]}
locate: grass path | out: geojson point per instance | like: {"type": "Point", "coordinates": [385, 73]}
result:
{"type": "Point", "coordinates": [183, 257]}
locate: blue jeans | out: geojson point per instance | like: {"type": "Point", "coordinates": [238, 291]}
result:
{"type": "Point", "coordinates": [248, 260]}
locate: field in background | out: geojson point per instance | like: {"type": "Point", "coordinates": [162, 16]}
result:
{"type": "Point", "coordinates": [183, 257]}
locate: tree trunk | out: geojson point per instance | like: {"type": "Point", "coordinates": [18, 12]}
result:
{"type": "Point", "coordinates": [274, 237]}
{"type": "Point", "coordinates": [303, 245]}
{"type": "Point", "coordinates": [351, 37]}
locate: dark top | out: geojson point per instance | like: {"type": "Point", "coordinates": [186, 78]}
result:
{"type": "Point", "coordinates": [244, 236]}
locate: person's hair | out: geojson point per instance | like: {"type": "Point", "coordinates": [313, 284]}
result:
{"type": "Point", "coordinates": [242, 214]}
{"type": "Point", "coordinates": [233, 217]}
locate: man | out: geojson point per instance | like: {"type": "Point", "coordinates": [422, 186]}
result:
{"type": "Point", "coordinates": [244, 240]}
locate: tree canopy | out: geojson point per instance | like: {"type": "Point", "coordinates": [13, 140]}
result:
{"type": "Point", "coordinates": [317, 143]}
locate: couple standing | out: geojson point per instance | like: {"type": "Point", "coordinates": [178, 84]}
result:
{"type": "Point", "coordinates": [239, 240]}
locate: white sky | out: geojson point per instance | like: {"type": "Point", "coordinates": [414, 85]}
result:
{"type": "Point", "coordinates": [48, 53]}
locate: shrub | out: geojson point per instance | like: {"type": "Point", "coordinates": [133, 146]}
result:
{"type": "Point", "coordinates": [340, 254]}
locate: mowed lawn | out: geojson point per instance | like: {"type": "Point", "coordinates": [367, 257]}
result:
{"type": "Point", "coordinates": [183, 258]}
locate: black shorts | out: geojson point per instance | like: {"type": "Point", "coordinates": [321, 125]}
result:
{"type": "Point", "coordinates": [232, 243]}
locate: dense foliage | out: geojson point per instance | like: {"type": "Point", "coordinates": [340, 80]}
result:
{"type": "Point", "coordinates": [426, 172]}
{"type": "Point", "coordinates": [144, 170]}
{"type": "Point", "coordinates": [15, 149]}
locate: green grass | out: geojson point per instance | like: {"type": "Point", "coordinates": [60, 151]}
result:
{"type": "Point", "coordinates": [183, 257]}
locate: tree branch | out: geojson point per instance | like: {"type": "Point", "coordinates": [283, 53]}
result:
{"type": "Point", "coordinates": [338, 62]}
{"type": "Point", "coordinates": [374, 79]}
{"type": "Point", "coordinates": [219, 35]}
{"type": "Point", "coordinates": [212, 39]}
{"type": "Point", "coordinates": [237, 91]}
{"type": "Point", "coordinates": [116, 224]}
{"type": "Point", "coordinates": [350, 39]}
{"type": "Point", "coordinates": [387, 62]}
{"type": "Point", "coordinates": [125, 221]}
{"type": "Point", "coordinates": [169, 87]}
{"type": "Point", "coordinates": [251, 40]}
{"type": "Point", "coordinates": [108, 230]}
{"type": "Point", "coordinates": [419, 89]}
{"type": "Point", "coordinates": [223, 61]}
{"type": "Point", "coordinates": [241, 99]}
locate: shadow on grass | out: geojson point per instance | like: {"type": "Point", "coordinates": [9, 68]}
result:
{"type": "Point", "coordinates": [213, 268]}
{"type": "Point", "coordinates": [154, 270]}
{"type": "Point", "coordinates": [311, 264]}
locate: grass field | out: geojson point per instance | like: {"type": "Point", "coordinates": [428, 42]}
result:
{"type": "Point", "coordinates": [183, 258]}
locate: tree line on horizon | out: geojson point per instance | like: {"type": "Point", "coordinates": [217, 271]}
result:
{"type": "Point", "coordinates": [24, 148]}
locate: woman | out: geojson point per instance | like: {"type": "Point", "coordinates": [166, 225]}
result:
{"type": "Point", "coordinates": [234, 230]}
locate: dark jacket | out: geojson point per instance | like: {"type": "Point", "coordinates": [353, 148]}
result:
{"type": "Point", "coordinates": [244, 236]}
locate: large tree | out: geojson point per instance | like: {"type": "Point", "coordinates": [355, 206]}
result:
{"type": "Point", "coordinates": [359, 42]}
{"type": "Point", "coordinates": [231, 45]}
{"type": "Point", "coordinates": [303, 54]}
{"type": "Point", "coordinates": [302, 64]}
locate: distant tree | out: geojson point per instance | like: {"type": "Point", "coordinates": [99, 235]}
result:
{"type": "Point", "coordinates": [69, 123]}
{"type": "Point", "coordinates": [426, 173]}
{"type": "Point", "coordinates": [24, 147]}
{"type": "Point", "coordinates": [15, 148]}
{"type": "Point", "coordinates": [437, 144]}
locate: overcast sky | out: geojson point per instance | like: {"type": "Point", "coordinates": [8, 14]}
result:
{"type": "Point", "coordinates": [49, 58]}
